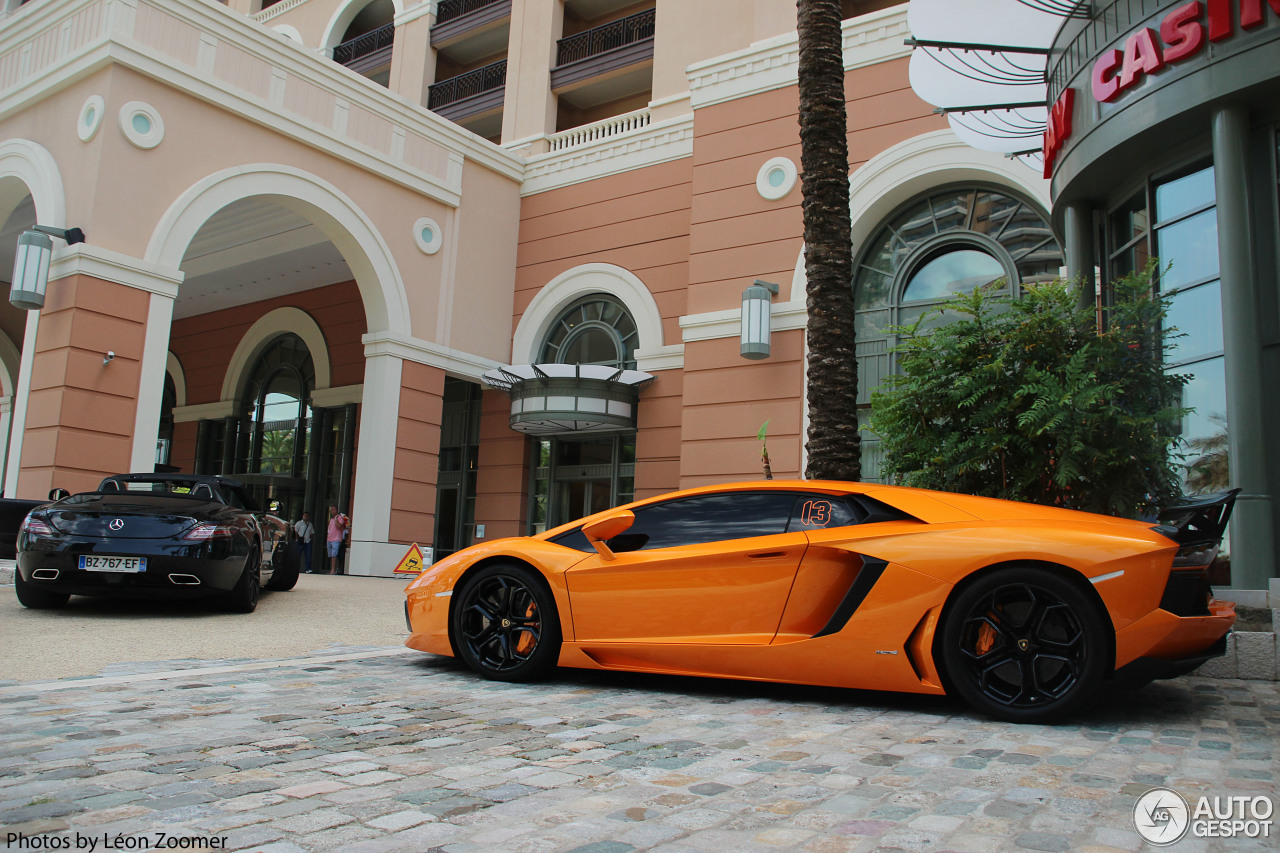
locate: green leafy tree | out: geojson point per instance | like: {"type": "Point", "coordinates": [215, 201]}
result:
{"type": "Point", "coordinates": [1024, 399]}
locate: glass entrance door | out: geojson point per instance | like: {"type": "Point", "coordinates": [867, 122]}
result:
{"type": "Point", "coordinates": [574, 477]}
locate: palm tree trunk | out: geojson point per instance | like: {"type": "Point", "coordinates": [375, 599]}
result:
{"type": "Point", "coordinates": [833, 445]}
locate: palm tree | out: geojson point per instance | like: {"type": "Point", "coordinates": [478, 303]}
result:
{"type": "Point", "coordinates": [833, 443]}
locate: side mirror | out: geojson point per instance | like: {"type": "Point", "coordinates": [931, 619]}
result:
{"type": "Point", "coordinates": [58, 494]}
{"type": "Point", "coordinates": [599, 532]}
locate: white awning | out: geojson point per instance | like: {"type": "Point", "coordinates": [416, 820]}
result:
{"type": "Point", "coordinates": [555, 399]}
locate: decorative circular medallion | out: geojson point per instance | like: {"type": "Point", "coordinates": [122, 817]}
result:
{"type": "Point", "coordinates": [141, 124]}
{"type": "Point", "coordinates": [776, 178]}
{"type": "Point", "coordinates": [90, 117]}
{"type": "Point", "coordinates": [428, 235]}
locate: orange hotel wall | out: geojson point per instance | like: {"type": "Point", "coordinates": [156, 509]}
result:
{"type": "Point", "coordinates": [737, 236]}
{"type": "Point", "coordinates": [81, 412]}
{"type": "Point", "coordinates": [637, 220]}
{"type": "Point", "coordinates": [205, 343]}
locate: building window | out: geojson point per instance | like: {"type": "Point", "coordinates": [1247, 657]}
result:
{"type": "Point", "coordinates": [576, 476]}
{"type": "Point", "coordinates": [458, 467]}
{"type": "Point", "coordinates": [595, 329]}
{"type": "Point", "coordinates": [948, 242]}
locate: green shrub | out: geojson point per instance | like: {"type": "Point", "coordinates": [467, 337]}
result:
{"type": "Point", "coordinates": [1025, 399]}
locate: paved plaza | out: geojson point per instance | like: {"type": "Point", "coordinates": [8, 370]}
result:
{"type": "Point", "coordinates": [380, 749]}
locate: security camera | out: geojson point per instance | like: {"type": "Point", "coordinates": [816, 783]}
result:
{"type": "Point", "coordinates": [110, 355]}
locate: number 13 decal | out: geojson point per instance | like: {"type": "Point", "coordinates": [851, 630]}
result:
{"type": "Point", "coordinates": [816, 514]}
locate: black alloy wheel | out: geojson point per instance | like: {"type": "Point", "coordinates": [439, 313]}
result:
{"type": "Point", "coordinates": [504, 624]}
{"type": "Point", "coordinates": [244, 597]}
{"type": "Point", "coordinates": [1024, 645]}
{"type": "Point", "coordinates": [32, 597]}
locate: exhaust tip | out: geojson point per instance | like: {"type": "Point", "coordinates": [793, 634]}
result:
{"type": "Point", "coordinates": [184, 580]}
{"type": "Point", "coordinates": [45, 574]}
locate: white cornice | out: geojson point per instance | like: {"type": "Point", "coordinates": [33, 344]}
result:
{"type": "Point", "coordinates": [114, 41]}
{"type": "Point", "coordinates": [425, 352]}
{"type": "Point", "coordinates": [714, 325]}
{"type": "Point", "coordinates": [104, 264]}
{"type": "Point", "coordinates": [204, 412]}
{"type": "Point", "coordinates": [660, 358]}
{"type": "Point", "coordinates": [657, 143]}
{"type": "Point", "coordinates": [771, 64]}
{"type": "Point", "coordinates": [328, 398]}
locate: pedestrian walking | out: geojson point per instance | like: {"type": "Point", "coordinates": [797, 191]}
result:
{"type": "Point", "coordinates": [304, 530]}
{"type": "Point", "coordinates": [335, 536]}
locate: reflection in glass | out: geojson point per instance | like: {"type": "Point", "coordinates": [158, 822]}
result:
{"type": "Point", "coordinates": [957, 271]}
{"type": "Point", "coordinates": [1177, 197]}
{"type": "Point", "coordinates": [1190, 249]}
{"type": "Point", "coordinates": [594, 330]}
{"type": "Point", "coordinates": [1197, 314]}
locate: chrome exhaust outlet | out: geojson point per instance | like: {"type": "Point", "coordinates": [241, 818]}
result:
{"type": "Point", "coordinates": [45, 575]}
{"type": "Point", "coordinates": [184, 580]}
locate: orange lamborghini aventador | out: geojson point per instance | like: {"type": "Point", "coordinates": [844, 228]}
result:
{"type": "Point", "coordinates": [1024, 611]}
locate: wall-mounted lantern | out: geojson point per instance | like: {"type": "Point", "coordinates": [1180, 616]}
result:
{"type": "Point", "coordinates": [31, 264]}
{"type": "Point", "coordinates": [756, 304]}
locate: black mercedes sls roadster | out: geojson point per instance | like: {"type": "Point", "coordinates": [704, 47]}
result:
{"type": "Point", "coordinates": [155, 536]}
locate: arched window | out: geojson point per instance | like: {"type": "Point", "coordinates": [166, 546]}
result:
{"type": "Point", "coordinates": [274, 410]}
{"type": "Point", "coordinates": [596, 329]}
{"type": "Point", "coordinates": [950, 241]}
{"type": "Point", "coordinates": [578, 474]}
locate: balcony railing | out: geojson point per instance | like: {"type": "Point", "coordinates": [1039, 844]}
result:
{"type": "Point", "coordinates": [598, 130]}
{"type": "Point", "coordinates": [468, 85]}
{"type": "Point", "coordinates": [610, 36]}
{"type": "Point", "coordinates": [450, 9]}
{"type": "Point", "coordinates": [361, 46]}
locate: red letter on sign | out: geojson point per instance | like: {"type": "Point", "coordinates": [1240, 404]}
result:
{"type": "Point", "coordinates": [1105, 86]}
{"type": "Point", "coordinates": [1251, 12]}
{"type": "Point", "coordinates": [1219, 19]}
{"type": "Point", "coordinates": [1141, 56]}
{"type": "Point", "coordinates": [1182, 32]}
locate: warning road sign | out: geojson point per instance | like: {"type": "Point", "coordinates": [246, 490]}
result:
{"type": "Point", "coordinates": [412, 562]}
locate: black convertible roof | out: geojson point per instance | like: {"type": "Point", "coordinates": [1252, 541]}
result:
{"type": "Point", "coordinates": [193, 479]}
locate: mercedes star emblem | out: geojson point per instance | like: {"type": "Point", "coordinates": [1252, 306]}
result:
{"type": "Point", "coordinates": [116, 524]}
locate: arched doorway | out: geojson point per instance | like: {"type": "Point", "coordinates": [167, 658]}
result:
{"type": "Point", "coordinates": [575, 475]}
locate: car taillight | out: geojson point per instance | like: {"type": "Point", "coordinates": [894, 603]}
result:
{"type": "Point", "coordinates": [1199, 556]}
{"type": "Point", "coordinates": [205, 532]}
{"type": "Point", "coordinates": [35, 527]}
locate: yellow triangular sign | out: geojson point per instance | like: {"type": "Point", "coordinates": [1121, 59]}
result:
{"type": "Point", "coordinates": [411, 564]}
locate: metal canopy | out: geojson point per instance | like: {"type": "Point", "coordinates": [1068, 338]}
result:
{"type": "Point", "coordinates": [555, 399]}
{"type": "Point", "coordinates": [982, 63]}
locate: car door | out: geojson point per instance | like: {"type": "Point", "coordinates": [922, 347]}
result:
{"type": "Point", "coordinates": [713, 568]}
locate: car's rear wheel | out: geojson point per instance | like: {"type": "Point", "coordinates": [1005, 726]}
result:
{"type": "Point", "coordinates": [243, 598]}
{"type": "Point", "coordinates": [285, 576]}
{"type": "Point", "coordinates": [505, 625]}
{"type": "Point", "coordinates": [34, 598]}
{"type": "Point", "coordinates": [1024, 644]}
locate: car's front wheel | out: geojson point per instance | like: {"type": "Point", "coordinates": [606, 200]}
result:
{"type": "Point", "coordinates": [34, 598]}
{"type": "Point", "coordinates": [1024, 644]}
{"type": "Point", "coordinates": [285, 576]}
{"type": "Point", "coordinates": [504, 624]}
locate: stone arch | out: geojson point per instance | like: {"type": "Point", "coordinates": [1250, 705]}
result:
{"type": "Point", "coordinates": [581, 281]}
{"type": "Point", "coordinates": [914, 166]}
{"type": "Point", "coordinates": [342, 18]}
{"type": "Point", "coordinates": [335, 214]}
{"type": "Point", "coordinates": [37, 175]}
{"type": "Point", "coordinates": [173, 368]}
{"type": "Point", "coordinates": [269, 327]}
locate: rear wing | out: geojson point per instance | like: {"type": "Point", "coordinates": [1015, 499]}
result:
{"type": "Point", "coordinates": [1198, 521]}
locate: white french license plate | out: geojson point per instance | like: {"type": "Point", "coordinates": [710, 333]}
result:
{"type": "Point", "coordinates": [91, 563]}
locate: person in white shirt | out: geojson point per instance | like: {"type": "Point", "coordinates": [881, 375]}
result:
{"type": "Point", "coordinates": [304, 530]}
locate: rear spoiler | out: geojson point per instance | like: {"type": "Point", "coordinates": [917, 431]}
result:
{"type": "Point", "coordinates": [1198, 521]}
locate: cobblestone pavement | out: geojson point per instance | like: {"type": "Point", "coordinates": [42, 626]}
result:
{"type": "Point", "coordinates": [372, 749]}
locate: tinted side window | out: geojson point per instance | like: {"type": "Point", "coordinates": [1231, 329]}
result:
{"type": "Point", "coordinates": [818, 512]}
{"type": "Point", "coordinates": [707, 518]}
